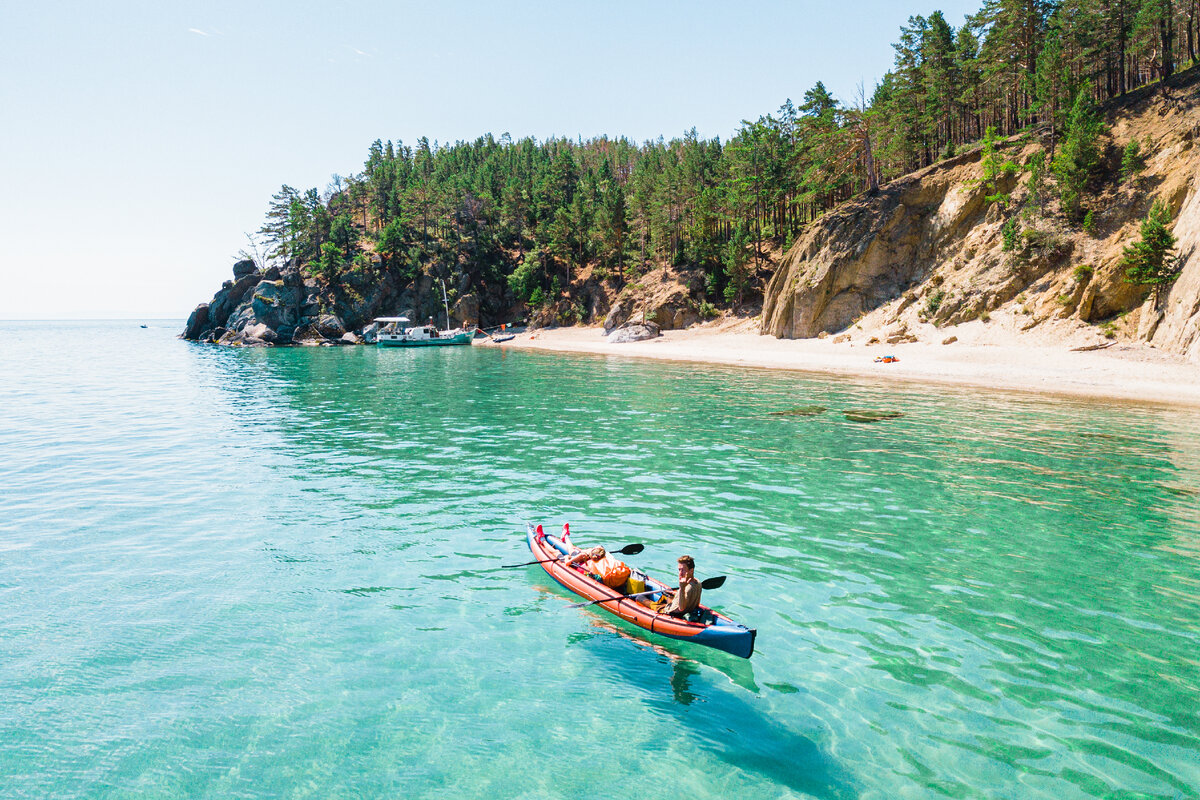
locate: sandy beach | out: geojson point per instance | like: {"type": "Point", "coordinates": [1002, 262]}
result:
{"type": "Point", "coordinates": [995, 355]}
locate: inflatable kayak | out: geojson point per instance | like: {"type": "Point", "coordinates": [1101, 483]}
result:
{"type": "Point", "coordinates": [705, 626]}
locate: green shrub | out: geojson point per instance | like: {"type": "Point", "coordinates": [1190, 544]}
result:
{"type": "Point", "coordinates": [995, 167]}
{"type": "Point", "coordinates": [1089, 223]}
{"type": "Point", "coordinates": [1009, 232]}
{"type": "Point", "coordinates": [934, 302]}
{"type": "Point", "coordinates": [1037, 176]}
{"type": "Point", "coordinates": [707, 310]}
{"type": "Point", "coordinates": [1132, 160]}
{"type": "Point", "coordinates": [1082, 273]}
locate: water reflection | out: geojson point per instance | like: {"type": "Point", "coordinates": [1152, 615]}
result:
{"type": "Point", "coordinates": [723, 722]}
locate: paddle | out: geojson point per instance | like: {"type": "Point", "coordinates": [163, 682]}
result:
{"type": "Point", "coordinates": [707, 583]}
{"type": "Point", "coordinates": [627, 550]}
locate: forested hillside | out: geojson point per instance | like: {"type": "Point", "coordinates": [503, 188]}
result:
{"type": "Point", "coordinates": [558, 228]}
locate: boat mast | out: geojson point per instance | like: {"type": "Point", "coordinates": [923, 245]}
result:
{"type": "Point", "coordinates": [446, 302]}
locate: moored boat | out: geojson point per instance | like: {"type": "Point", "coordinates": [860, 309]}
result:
{"type": "Point", "coordinates": [394, 334]}
{"type": "Point", "coordinates": [706, 627]}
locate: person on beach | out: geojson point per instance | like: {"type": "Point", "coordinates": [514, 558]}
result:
{"type": "Point", "coordinates": [686, 599]}
{"type": "Point", "coordinates": [600, 565]}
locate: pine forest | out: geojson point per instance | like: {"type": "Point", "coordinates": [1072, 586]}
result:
{"type": "Point", "coordinates": [518, 222]}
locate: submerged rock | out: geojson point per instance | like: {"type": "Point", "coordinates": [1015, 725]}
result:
{"type": "Point", "coordinates": [871, 415]}
{"type": "Point", "coordinates": [800, 411]}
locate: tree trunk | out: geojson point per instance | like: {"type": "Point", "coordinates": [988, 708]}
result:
{"type": "Point", "coordinates": [1166, 33]}
{"type": "Point", "coordinates": [1121, 44]}
{"type": "Point", "coordinates": [1190, 34]}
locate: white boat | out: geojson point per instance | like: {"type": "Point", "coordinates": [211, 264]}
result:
{"type": "Point", "coordinates": [396, 333]}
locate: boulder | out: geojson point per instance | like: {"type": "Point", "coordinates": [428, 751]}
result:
{"type": "Point", "coordinates": [618, 315]}
{"type": "Point", "coordinates": [308, 335]}
{"type": "Point", "coordinates": [466, 310]}
{"type": "Point", "coordinates": [684, 318]}
{"type": "Point", "coordinates": [242, 316]}
{"type": "Point", "coordinates": [330, 326]}
{"type": "Point", "coordinates": [371, 333]}
{"type": "Point", "coordinates": [243, 268]}
{"type": "Point", "coordinates": [197, 323]}
{"type": "Point", "coordinates": [228, 299]}
{"type": "Point", "coordinates": [635, 333]}
{"type": "Point", "coordinates": [240, 339]}
{"type": "Point", "coordinates": [276, 305]}
{"type": "Point", "coordinates": [349, 337]}
{"type": "Point", "coordinates": [260, 331]}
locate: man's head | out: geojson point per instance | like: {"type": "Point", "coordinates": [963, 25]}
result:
{"type": "Point", "coordinates": [686, 567]}
{"type": "Point", "coordinates": [597, 552]}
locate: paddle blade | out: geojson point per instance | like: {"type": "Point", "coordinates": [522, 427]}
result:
{"type": "Point", "coordinates": [713, 583]}
{"type": "Point", "coordinates": [631, 549]}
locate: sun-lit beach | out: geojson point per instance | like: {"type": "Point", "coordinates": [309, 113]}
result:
{"type": "Point", "coordinates": [996, 361]}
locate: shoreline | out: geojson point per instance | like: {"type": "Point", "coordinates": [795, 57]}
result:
{"type": "Point", "coordinates": [1126, 373]}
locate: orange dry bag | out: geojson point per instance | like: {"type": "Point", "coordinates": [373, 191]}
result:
{"type": "Point", "coordinates": [610, 571]}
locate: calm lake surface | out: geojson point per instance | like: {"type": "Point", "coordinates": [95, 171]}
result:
{"type": "Point", "coordinates": [273, 573]}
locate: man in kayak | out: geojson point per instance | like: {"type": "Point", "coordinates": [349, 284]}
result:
{"type": "Point", "coordinates": [687, 599]}
{"type": "Point", "coordinates": [601, 565]}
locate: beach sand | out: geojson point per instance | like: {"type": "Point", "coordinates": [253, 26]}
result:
{"type": "Point", "coordinates": [995, 355]}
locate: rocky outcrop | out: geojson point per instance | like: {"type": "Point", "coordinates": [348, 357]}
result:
{"type": "Point", "coordinates": [869, 252]}
{"type": "Point", "coordinates": [666, 297]}
{"type": "Point", "coordinates": [1176, 319]}
{"type": "Point", "coordinates": [931, 248]}
{"type": "Point", "coordinates": [197, 323]}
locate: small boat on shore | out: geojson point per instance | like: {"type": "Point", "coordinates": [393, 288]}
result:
{"type": "Point", "coordinates": [707, 627]}
{"type": "Point", "coordinates": [394, 333]}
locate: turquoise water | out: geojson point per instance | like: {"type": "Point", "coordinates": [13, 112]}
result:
{"type": "Point", "coordinates": [273, 573]}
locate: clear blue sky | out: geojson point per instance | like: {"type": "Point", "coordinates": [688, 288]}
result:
{"type": "Point", "coordinates": [140, 141]}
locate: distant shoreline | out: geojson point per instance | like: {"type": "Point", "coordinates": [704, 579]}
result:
{"type": "Point", "coordinates": [1136, 374]}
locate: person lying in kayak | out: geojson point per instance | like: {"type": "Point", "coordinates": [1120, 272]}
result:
{"type": "Point", "coordinates": [600, 565]}
{"type": "Point", "coordinates": [687, 599]}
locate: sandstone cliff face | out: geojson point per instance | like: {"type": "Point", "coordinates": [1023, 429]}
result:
{"type": "Point", "coordinates": [928, 248]}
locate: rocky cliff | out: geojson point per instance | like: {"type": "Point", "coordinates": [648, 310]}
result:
{"type": "Point", "coordinates": [284, 305]}
{"type": "Point", "coordinates": [929, 250]}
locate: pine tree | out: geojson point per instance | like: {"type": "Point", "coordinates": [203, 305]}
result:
{"type": "Point", "coordinates": [1148, 261]}
{"type": "Point", "coordinates": [1080, 152]}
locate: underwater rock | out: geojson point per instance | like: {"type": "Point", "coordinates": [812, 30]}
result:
{"type": "Point", "coordinates": [800, 411]}
{"type": "Point", "coordinates": [871, 415]}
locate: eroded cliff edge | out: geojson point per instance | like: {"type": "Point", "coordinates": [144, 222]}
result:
{"type": "Point", "coordinates": [930, 248]}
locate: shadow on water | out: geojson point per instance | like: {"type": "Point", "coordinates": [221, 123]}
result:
{"type": "Point", "coordinates": [724, 722]}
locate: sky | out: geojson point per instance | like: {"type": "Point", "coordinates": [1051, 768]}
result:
{"type": "Point", "coordinates": [141, 141]}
